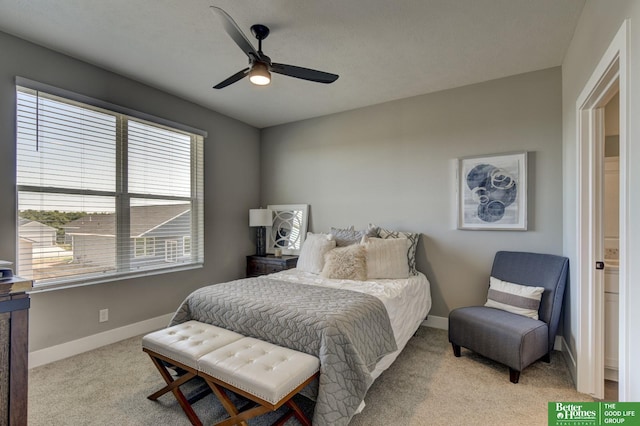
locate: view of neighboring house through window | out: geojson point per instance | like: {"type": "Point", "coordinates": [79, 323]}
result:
{"type": "Point", "coordinates": [101, 193]}
{"type": "Point", "coordinates": [171, 251]}
{"type": "Point", "coordinates": [186, 245]}
{"type": "Point", "coordinates": [145, 247]}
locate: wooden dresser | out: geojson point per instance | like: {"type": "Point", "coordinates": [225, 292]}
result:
{"type": "Point", "coordinates": [268, 264]}
{"type": "Point", "coordinates": [14, 350]}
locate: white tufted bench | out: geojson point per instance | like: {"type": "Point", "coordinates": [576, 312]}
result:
{"type": "Point", "coordinates": [182, 345]}
{"type": "Point", "coordinates": [267, 374]}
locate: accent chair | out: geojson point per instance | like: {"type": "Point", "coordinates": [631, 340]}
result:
{"type": "Point", "coordinates": [509, 338]}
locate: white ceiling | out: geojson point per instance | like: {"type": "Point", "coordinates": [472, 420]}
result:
{"type": "Point", "coordinates": [382, 50]}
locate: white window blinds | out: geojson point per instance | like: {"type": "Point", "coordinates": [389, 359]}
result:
{"type": "Point", "coordinates": [103, 194]}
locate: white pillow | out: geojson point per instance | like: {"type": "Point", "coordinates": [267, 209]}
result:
{"type": "Point", "coordinates": [413, 246]}
{"type": "Point", "coordinates": [515, 298]}
{"type": "Point", "coordinates": [314, 248]}
{"type": "Point", "coordinates": [387, 258]}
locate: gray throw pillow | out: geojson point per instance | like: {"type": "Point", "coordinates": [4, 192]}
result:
{"type": "Point", "coordinates": [348, 236]}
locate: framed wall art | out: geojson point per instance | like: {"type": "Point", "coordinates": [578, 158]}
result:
{"type": "Point", "coordinates": [492, 192]}
{"type": "Point", "coordinates": [289, 228]}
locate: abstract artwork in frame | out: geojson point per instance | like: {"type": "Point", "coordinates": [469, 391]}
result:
{"type": "Point", "coordinates": [289, 228]}
{"type": "Point", "coordinates": [492, 192]}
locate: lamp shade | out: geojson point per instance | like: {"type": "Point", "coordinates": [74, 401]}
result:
{"type": "Point", "coordinates": [260, 217]}
{"type": "Point", "coordinates": [260, 74]}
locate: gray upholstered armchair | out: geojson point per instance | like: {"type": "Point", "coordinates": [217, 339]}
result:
{"type": "Point", "coordinates": [511, 339]}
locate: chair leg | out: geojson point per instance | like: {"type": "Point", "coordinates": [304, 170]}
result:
{"type": "Point", "coordinates": [456, 349]}
{"type": "Point", "coordinates": [514, 375]}
{"type": "Point", "coordinates": [547, 358]}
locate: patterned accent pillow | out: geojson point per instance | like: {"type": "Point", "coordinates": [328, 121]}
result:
{"type": "Point", "coordinates": [314, 248]}
{"type": "Point", "coordinates": [413, 246]}
{"type": "Point", "coordinates": [348, 236]}
{"type": "Point", "coordinates": [344, 236]}
{"type": "Point", "coordinates": [515, 298]}
{"type": "Point", "coordinates": [346, 263]}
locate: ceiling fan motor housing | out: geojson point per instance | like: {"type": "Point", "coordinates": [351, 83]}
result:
{"type": "Point", "coordinates": [260, 31]}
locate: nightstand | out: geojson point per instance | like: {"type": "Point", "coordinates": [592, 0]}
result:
{"type": "Point", "coordinates": [268, 264]}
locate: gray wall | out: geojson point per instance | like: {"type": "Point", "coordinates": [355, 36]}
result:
{"type": "Point", "coordinates": [231, 189]}
{"type": "Point", "coordinates": [393, 165]}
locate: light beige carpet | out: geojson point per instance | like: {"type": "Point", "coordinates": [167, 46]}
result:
{"type": "Point", "coordinates": [426, 385]}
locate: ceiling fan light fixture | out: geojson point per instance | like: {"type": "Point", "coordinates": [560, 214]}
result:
{"type": "Point", "coordinates": [259, 74]}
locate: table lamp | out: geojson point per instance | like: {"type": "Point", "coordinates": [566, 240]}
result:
{"type": "Point", "coordinates": [260, 218]}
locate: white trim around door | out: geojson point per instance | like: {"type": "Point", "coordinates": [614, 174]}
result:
{"type": "Point", "coordinates": [609, 77]}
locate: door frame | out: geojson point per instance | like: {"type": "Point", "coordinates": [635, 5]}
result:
{"type": "Point", "coordinates": [609, 77]}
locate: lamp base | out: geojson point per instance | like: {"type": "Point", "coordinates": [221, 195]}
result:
{"type": "Point", "coordinates": [261, 241]}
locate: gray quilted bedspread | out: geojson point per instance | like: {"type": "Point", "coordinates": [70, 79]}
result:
{"type": "Point", "coordinates": [348, 331]}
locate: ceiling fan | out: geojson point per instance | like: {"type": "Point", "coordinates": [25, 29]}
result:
{"type": "Point", "coordinates": [260, 65]}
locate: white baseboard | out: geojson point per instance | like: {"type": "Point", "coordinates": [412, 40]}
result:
{"type": "Point", "coordinates": [75, 347]}
{"type": "Point", "coordinates": [558, 344]}
{"type": "Point", "coordinates": [570, 359]}
{"type": "Point", "coordinates": [611, 374]}
{"type": "Point", "coordinates": [436, 322]}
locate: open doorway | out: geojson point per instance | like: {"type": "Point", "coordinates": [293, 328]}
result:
{"type": "Point", "coordinates": [607, 81]}
{"type": "Point", "coordinates": [611, 243]}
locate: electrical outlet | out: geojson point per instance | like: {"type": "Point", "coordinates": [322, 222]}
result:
{"type": "Point", "coordinates": [104, 315]}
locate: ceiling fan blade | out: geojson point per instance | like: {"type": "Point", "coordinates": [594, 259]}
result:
{"type": "Point", "coordinates": [236, 33]}
{"type": "Point", "coordinates": [304, 73]}
{"type": "Point", "coordinates": [236, 77]}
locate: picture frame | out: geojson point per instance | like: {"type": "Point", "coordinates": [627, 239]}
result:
{"type": "Point", "coordinates": [289, 228]}
{"type": "Point", "coordinates": [492, 192]}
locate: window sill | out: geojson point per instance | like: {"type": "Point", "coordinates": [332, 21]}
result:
{"type": "Point", "coordinates": [112, 278]}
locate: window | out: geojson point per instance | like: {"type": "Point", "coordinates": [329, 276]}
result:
{"type": "Point", "coordinates": [103, 192]}
{"type": "Point", "coordinates": [145, 247]}
{"type": "Point", "coordinates": [186, 246]}
{"type": "Point", "coordinates": [171, 251]}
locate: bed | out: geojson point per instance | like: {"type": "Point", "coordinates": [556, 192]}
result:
{"type": "Point", "coordinates": [357, 326]}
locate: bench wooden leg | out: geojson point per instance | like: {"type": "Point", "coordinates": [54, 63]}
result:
{"type": "Point", "coordinates": [294, 411]}
{"type": "Point", "coordinates": [282, 420]}
{"type": "Point", "coordinates": [241, 417]}
{"type": "Point", "coordinates": [298, 413]}
{"type": "Point", "coordinates": [226, 403]}
{"type": "Point", "coordinates": [174, 387]}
